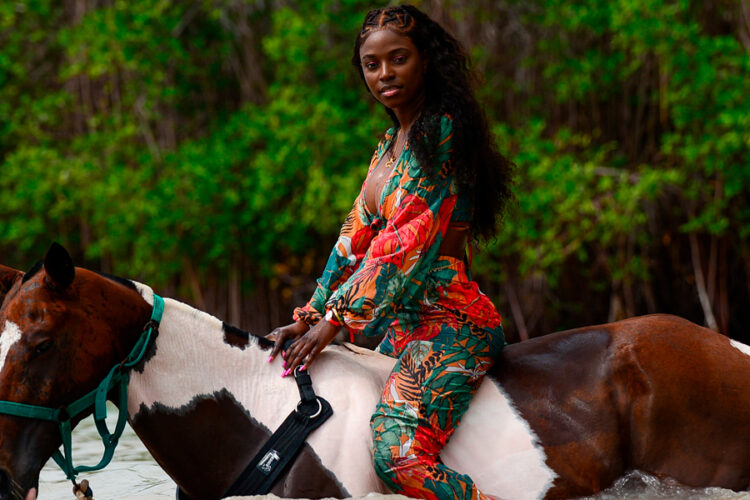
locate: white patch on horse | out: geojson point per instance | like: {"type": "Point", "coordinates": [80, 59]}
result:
{"type": "Point", "coordinates": [494, 445]}
{"type": "Point", "coordinates": [192, 359]}
{"type": "Point", "coordinates": [740, 346]}
{"type": "Point", "coordinates": [11, 334]}
{"type": "Point", "coordinates": [498, 449]}
{"type": "Point", "coordinates": [146, 292]}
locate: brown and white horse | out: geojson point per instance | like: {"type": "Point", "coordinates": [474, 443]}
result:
{"type": "Point", "coordinates": [561, 416]}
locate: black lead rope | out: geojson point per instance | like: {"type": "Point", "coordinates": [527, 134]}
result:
{"type": "Point", "coordinates": [284, 445]}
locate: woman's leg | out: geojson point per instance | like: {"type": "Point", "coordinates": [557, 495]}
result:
{"type": "Point", "coordinates": [422, 403]}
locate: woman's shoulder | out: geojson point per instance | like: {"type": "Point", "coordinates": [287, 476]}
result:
{"type": "Point", "coordinates": [437, 138]}
{"type": "Point", "coordinates": [385, 140]}
{"type": "Point", "coordinates": [438, 132]}
{"type": "Point", "coordinates": [445, 121]}
{"type": "Point", "coordinates": [440, 122]}
{"type": "Point", "coordinates": [444, 145]}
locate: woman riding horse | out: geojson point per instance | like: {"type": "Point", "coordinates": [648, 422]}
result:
{"type": "Point", "coordinates": [399, 267]}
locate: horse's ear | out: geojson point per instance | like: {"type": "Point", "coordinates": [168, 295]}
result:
{"type": "Point", "coordinates": [8, 276]}
{"type": "Point", "coordinates": [59, 266]}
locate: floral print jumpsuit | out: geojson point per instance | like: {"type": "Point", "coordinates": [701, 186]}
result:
{"type": "Point", "coordinates": [385, 274]}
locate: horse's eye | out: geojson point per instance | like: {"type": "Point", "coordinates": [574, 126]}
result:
{"type": "Point", "coordinates": [43, 347]}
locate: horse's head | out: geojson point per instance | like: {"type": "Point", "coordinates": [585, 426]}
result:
{"type": "Point", "coordinates": [61, 329]}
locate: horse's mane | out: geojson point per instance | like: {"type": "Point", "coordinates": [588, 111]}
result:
{"type": "Point", "coordinates": [31, 272]}
{"type": "Point", "coordinates": [233, 330]}
{"type": "Point", "coordinates": [123, 281]}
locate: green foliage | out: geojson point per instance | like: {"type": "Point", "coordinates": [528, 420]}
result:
{"type": "Point", "coordinates": [154, 135]}
{"type": "Point", "coordinates": [570, 205]}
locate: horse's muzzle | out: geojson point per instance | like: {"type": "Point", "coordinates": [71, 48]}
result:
{"type": "Point", "coordinates": [11, 490]}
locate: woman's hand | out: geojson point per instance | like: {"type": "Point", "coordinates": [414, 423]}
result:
{"type": "Point", "coordinates": [306, 348]}
{"type": "Point", "coordinates": [284, 333]}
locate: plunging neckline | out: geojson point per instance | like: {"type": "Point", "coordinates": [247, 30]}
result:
{"type": "Point", "coordinates": [380, 197]}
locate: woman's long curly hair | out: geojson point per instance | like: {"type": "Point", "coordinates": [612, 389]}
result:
{"type": "Point", "coordinates": [480, 169]}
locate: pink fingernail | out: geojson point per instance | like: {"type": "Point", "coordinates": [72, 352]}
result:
{"type": "Point", "coordinates": [303, 368]}
{"type": "Point", "coordinates": [270, 358]}
{"type": "Point", "coordinates": [283, 364]}
{"type": "Point", "coordinates": [285, 373]}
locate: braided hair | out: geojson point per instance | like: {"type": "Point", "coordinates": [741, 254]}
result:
{"type": "Point", "coordinates": [481, 171]}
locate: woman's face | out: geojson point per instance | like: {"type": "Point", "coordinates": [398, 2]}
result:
{"type": "Point", "coordinates": [394, 70]}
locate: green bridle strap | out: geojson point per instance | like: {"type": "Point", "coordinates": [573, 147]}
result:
{"type": "Point", "coordinates": [118, 377]}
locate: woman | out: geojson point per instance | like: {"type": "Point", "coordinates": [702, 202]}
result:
{"type": "Point", "coordinates": [399, 265]}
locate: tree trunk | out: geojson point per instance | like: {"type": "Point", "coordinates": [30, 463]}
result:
{"type": "Point", "coordinates": [711, 273]}
{"type": "Point", "coordinates": [516, 311]}
{"type": "Point", "coordinates": [723, 294]}
{"type": "Point", "coordinates": [234, 301]}
{"type": "Point", "coordinates": [700, 283]}
{"type": "Point", "coordinates": [744, 29]}
{"type": "Point", "coordinates": [195, 285]}
{"type": "Point", "coordinates": [746, 260]}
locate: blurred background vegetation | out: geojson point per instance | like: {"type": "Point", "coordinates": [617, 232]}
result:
{"type": "Point", "coordinates": [212, 148]}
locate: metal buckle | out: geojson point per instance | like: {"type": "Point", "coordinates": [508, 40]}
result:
{"type": "Point", "coordinates": [320, 409]}
{"type": "Point", "coordinates": [62, 414]}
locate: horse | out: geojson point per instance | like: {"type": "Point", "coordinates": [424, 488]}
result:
{"type": "Point", "coordinates": [559, 416]}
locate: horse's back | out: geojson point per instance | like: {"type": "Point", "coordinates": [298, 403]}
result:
{"type": "Point", "coordinates": [655, 393]}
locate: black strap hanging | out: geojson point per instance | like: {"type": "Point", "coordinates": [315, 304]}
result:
{"type": "Point", "coordinates": [284, 445]}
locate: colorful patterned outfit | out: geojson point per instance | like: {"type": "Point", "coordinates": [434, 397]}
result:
{"type": "Point", "coordinates": [385, 275]}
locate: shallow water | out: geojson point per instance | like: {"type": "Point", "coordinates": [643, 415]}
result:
{"type": "Point", "coordinates": [640, 486]}
{"type": "Point", "coordinates": [134, 475]}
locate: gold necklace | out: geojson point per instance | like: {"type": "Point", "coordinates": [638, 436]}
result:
{"type": "Point", "coordinates": [390, 161]}
{"type": "Point", "coordinates": [384, 171]}
{"type": "Point", "coordinates": [392, 158]}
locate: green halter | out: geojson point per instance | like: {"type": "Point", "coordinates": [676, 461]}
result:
{"type": "Point", "coordinates": [118, 377]}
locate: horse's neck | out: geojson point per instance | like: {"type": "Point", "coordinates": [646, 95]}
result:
{"type": "Point", "coordinates": [192, 359]}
